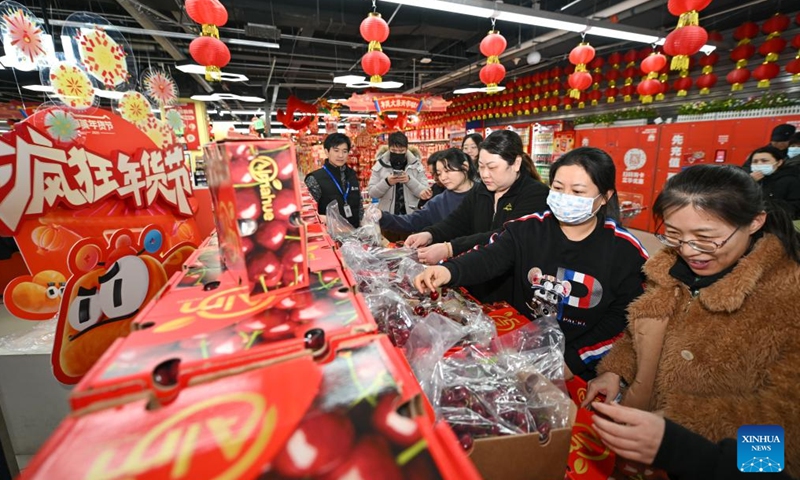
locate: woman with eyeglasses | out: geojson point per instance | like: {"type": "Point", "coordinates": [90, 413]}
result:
{"type": "Point", "coordinates": [714, 342]}
{"type": "Point", "coordinates": [573, 263]}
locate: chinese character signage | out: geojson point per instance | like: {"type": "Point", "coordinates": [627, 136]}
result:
{"type": "Point", "coordinates": [61, 182]}
{"type": "Point", "coordinates": [382, 102]}
{"type": "Point", "coordinates": [191, 124]}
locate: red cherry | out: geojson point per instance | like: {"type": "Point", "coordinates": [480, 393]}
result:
{"type": "Point", "coordinates": [270, 235]}
{"type": "Point", "coordinates": [285, 204]}
{"type": "Point", "coordinates": [298, 299]}
{"type": "Point", "coordinates": [318, 445]}
{"type": "Point", "coordinates": [247, 245]}
{"type": "Point", "coordinates": [292, 277]}
{"type": "Point", "coordinates": [421, 468]}
{"type": "Point", "coordinates": [240, 165]}
{"type": "Point", "coordinates": [264, 265]}
{"type": "Point", "coordinates": [286, 170]}
{"type": "Point", "coordinates": [434, 295]}
{"type": "Point", "coordinates": [248, 203]}
{"type": "Point", "coordinates": [399, 429]}
{"type": "Point", "coordinates": [292, 254]}
{"type": "Point", "coordinates": [371, 459]}
{"type": "Point", "coordinates": [318, 310]}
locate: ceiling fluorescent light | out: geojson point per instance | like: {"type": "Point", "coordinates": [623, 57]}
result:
{"type": "Point", "coordinates": [251, 43]}
{"type": "Point", "coordinates": [445, 6]}
{"type": "Point", "coordinates": [192, 68]}
{"type": "Point", "coordinates": [621, 35]}
{"type": "Point", "coordinates": [540, 21]}
{"type": "Point", "coordinates": [38, 88]}
{"type": "Point", "coordinates": [218, 97]}
{"type": "Point", "coordinates": [348, 79]}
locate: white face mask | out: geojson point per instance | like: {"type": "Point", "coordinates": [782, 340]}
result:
{"type": "Point", "coordinates": [766, 169]}
{"type": "Point", "coordinates": [793, 152]}
{"type": "Point", "coordinates": [571, 209]}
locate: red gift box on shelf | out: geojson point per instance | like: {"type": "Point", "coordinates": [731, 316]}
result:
{"type": "Point", "coordinates": [256, 195]}
{"type": "Point", "coordinates": [356, 416]}
{"type": "Point", "coordinates": [208, 331]}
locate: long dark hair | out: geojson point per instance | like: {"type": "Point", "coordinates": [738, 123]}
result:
{"type": "Point", "coordinates": [475, 137]}
{"type": "Point", "coordinates": [508, 145]}
{"type": "Point", "coordinates": [729, 193]}
{"type": "Point", "coordinates": [600, 168]}
{"type": "Point", "coordinates": [456, 160]}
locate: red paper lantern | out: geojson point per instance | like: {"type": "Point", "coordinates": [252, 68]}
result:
{"type": "Point", "coordinates": [627, 92]}
{"type": "Point", "coordinates": [374, 28]}
{"type": "Point", "coordinates": [683, 42]}
{"type": "Point", "coordinates": [709, 60]}
{"type": "Point", "coordinates": [493, 44]}
{"type": "Point", "coordinates": [682, 85]}
{"type": "Point", "coordinates": [612, 76]}
{"type": "Point", "coordinates": [629, 73]}
{"type": "Point", "coordinates": [773, 26]}
{"type": "Point", "coordinates": [654, 63]}
{"type": "Point", "coordinates": [793, 67]}
{"type": "Point", "coordinates": [706, 83]}
{"type": "Point", "coordinates": [742, 53]}
{"type": "Point", "coordinates": [766, 72]}
{"type": "Point", "coordinates": [207, 12]}
{"type": "Point", "coordinates": [745, 31]}
{"type": "Point", "coordinates": [615, 59]}
{"type": "Point", "coordinates": [737, 78]}
{"type": "Point", "coordinates": [597, 63]}
{"type": "Point", "coordinates": [375, 64]}
{"type": "Point", "coordinates": [648, 88]}
{"type": "Point", "coordinates": [580, 81]}
{"type": "Point", "coordinates": [492, 74]}
{"type": "Point", "coordinates": [582, 54]}
{"type": "Point", "coordinates": [772, 48]}
{"type": "Point", "coordinates": [569, 69]}
{"type": "Point", "coordinates": [610, 93]}
{"type": "Point", "coordinates": [715, 36]}
{"type": "Point", "coordinates": [629, 57]}
{"type": "Point", "coordinates": [594, 96]}
{"type": "Point", "coordinates": [210, 52]}
{"type": "Point", "coordinates": [678, 7]}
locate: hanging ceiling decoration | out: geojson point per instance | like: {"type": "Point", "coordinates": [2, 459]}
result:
{"type": "Point", "coordinates": [689, 36]}
{"type": "Point", "coordinates": [580, 80]}
{"type": "Point", "coordinates": [208, 50]}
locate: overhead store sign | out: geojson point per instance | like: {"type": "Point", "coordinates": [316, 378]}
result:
{"type": "Point", "coordinates": [381, 103]}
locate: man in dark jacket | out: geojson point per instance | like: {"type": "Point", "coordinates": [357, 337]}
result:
{"type": "Point", "coordinates": [779, 138]}
{"type": "Point", "coordinates": [779, 182]}
{"type": "Point", "coordinates": [335, 181]}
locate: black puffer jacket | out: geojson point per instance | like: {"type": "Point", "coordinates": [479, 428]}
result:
{"type": "Point", "coordinates": [783, 186]}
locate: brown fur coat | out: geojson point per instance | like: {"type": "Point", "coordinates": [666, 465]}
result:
{"type": "Point", "coordinates": [729, 357]}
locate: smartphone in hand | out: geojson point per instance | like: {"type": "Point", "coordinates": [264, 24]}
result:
{"type": "Point", "coordinates": [398, 173]}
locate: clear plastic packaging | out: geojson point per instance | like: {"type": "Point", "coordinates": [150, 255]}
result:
{"type": "Point", "coordinates": [341, 230]}
{"type": "Point", "coordinates": [38, 339]}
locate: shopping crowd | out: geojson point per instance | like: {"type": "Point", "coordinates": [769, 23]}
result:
{"type": "Point", "coordinates": [685, 346]}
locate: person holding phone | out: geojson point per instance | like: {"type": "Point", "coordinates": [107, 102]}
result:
{"type": "Point", "coordinates": [398, 178]}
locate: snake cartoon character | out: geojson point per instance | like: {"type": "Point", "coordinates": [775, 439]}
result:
{"type": "Point", "coordinates": [548, 293]}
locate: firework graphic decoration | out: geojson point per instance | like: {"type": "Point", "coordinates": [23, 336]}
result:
{"type": "Point", "coordinates": [61, 125]}
{"type": "Point", "coordinates": [71, 85]}
{"type": "Point", "coordinates": [25, 34]}
{"type": "Point", "coordinates": [160, 87]}
{"type": "Point", "coordinates": [103, 57]}
{"type": "Point", "coordinates": [158, 132]}
{"type": "Point", "coordinates": [174, 120]}
{"type": "Point", "coordinates": [135, 108]}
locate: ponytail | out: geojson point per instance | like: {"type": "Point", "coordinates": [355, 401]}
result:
{"type": "Point", "coordinates": [528, 166]}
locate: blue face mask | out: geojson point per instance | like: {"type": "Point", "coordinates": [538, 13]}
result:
{"type": "Point", "coordinates": [766, 169]}
{"type": "Point", "coordinates": [793, 152]}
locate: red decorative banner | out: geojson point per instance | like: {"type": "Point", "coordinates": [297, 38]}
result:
{"type": "Point", "coordinates": [191, 126]}
{"type": "Point", "coordinates": [398, 103]}
{"type": "Point", "coordinates": [382, 102]}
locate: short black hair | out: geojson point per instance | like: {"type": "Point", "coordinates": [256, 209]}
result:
{"type": "Point", "coordinates": [336, 139]}
{"type": "Point", "coordinates": [398, 139]}
{"type": "Point", "coordinates": [777, 154]}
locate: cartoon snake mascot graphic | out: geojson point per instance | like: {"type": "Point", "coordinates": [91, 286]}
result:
{"type": "Point", "coordinates": [108, 287]}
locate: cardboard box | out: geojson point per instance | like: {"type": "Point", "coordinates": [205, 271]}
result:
{"type": "Point", "coordinates": [207, 332]}
{"type": "Point", "coordinates": [523, 457]}
{"type": "Point", "coordinates": [352, 417]}
{"type": "Point", "coordinates": [255, 191]}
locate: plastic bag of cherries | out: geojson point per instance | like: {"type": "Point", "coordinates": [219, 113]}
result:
{"type": "Point", "coordinates": [341, 230]}
{"type": "Point", "coordinates": [514, 386]}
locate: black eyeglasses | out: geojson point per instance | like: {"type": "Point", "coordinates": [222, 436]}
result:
{"type": "Point", "coordinates": [703, 246]}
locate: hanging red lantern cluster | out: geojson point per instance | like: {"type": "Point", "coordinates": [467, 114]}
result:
{"type": "Point", "coordinates": [580, 79]}
{"type": "Point", "coordinates": [793, 66]}
{"type": "Point", "coordinates": [688, 37]}
{"type": "Point", "coordinates": [375, 63]}
{"type": "Point", "coordinates": [771, 49]}
{"type": "Point", "coordinates": [208, 50]}
{"type": "Point", "coordinates": [650, 86]}
{"type": "Point", "coordinates": [707, 80]}
{"type": "Point", "coordinates": [743, 51]}
{"type": "Point", "coordinates": [492, 46]}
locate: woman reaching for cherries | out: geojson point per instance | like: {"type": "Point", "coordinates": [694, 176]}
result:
{"type": "Point", "coordinates": [573, 263]}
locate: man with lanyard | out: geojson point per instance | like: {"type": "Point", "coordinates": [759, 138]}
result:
{"type": "Point", "coordinates": [335, 181]}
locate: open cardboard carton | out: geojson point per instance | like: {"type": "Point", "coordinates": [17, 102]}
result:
{"type": "Point", "coordinates": [255, 192]}
{"type": "Point", "coordinates": [359, 415]}
{"type": "Point", "coordinates": [525, 457]}
{"type": "Point", "coordinates": [209, 331]}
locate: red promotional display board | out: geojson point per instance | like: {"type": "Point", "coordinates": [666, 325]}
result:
{"type": "Point", "coordinates": [191, 125]}
{"type": "Point", "coordinates": [634, 150]}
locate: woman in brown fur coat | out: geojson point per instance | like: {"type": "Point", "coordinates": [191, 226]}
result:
{"type": "Point", "coordinates": [714, 342]}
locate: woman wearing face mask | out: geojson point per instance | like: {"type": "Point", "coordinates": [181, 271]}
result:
{"type": "Point", "coordinates": [779, 181]}
{"type": "Point", "coordinates": [456, 173]}
{"type": "Point", "coordinates": [510, 188]}
{"type": "Point", "coordinates": [471, 146]}
{"type": "Point", "coordinates": [714, 342]}
{"type": "Point", "coordinates": [573, 263]}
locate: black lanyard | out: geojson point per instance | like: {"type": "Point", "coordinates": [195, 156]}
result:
{"type": "Point", "coordinates": [344, 193]}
